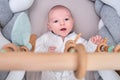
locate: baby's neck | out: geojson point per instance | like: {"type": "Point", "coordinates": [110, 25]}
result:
{"type": "Point", "coordinates": [63, 38]}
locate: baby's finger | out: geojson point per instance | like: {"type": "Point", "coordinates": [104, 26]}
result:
{"type": "Point", "coordinates": [102, 40]}
{"type": "Point", "coordinates": [92, 39]}
{"type": "Point", "coordinates": [99, 37]}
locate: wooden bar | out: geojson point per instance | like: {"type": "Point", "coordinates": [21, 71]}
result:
{"type": "Point", "coordinates": [57, 61]}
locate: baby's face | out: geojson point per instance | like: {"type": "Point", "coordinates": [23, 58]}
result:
{"type": "Point", "coordinates": [60, 21]}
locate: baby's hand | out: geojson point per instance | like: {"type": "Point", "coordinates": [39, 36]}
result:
{"type": "Point", "coordinates": [96, 39]}
{"type": "Point", "coordinates": [51, 49]}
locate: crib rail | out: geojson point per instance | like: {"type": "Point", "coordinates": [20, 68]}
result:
{"type": "Point", "coordinates": [30, 61]}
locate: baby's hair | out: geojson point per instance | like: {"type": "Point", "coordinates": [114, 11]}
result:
{"type": "Point", "coordinates": [59, 6]}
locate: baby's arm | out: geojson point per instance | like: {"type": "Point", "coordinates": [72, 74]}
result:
{"type": "Point", "coordinates": [91, 45]}
{"type": "Point", "coordinates": [40, 44]}
{"type": "Point", "coordinates": [96, 39]}
{"type": "Point", "coordinates": [51, 49]}
{"type": "Point", "coordinates": [40, 47]}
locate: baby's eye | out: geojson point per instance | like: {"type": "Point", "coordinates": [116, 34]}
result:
{"type": "Point", "coordinates": [55, 21]}
{"type": "Point", "coordinates": [66, 19]}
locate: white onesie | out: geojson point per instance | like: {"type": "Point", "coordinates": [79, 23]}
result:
{"type": "Point", "coordinates": [50, 39]}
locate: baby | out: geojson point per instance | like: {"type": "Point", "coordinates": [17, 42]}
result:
{"type": "Point", "coordinates": [60, 25]}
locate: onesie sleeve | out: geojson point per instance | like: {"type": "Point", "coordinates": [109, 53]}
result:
{"type": "Point", "coordinates": [40, 44]}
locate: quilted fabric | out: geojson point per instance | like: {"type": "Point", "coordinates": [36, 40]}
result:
{"type": "Point", "coordinates": [21, 31]}
{"type": "Point", "coordinates": [8, 27]}
{"type": "Point", "coordinates": [5, 12]}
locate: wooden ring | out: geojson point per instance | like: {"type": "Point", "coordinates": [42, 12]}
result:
{"type": "Point", "coordinates": [82, 62]}
{"type": "Point", "coordinates": [10, 47]}
{"type": "Point", "coordinates": [101, 47]}
{"type": "Point", "coordinates": [24, 49]}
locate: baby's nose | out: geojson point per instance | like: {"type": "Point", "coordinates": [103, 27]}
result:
{"type": "Point", "coordinates": [62, 23]}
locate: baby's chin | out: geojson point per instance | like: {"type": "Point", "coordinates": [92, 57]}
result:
{"type": "Point", "coordinates": [64, 35]}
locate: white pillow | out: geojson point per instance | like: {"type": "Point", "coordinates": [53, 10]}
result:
{"type": "Point", "coordinates": [20, 5]}
{"type": "Point", "coordinates": [86, 20]}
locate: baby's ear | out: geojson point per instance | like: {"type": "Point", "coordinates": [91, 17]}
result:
{"type": "Point", "coordinates": [48, 25]}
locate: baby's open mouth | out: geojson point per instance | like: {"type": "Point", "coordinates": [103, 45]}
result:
{"type": "Point", "coordinates": [63, 29]}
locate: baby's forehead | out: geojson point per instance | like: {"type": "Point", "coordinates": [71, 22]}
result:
{"type": "Point", "coordinates": [56, 9]}
{"type": "Point", "coordinates": [62, 10]}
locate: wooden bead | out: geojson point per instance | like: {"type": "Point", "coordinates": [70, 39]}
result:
{"type": "Point", "coordinates": [117, 48]}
